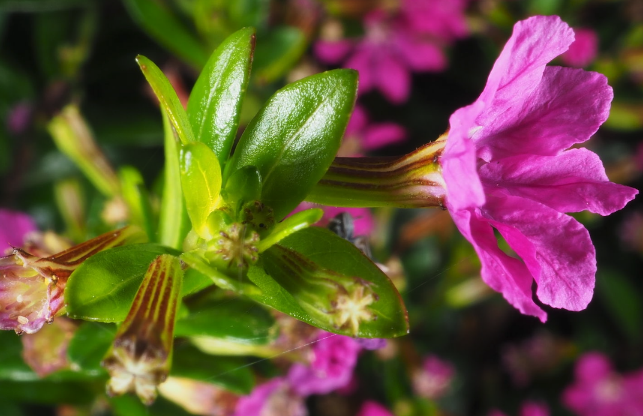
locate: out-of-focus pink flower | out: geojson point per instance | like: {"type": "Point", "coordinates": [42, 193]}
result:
{"type": "Point", "coordinates": [46, 351]}
{"type": "Point", "coordinates": [434, 379]}
{"type": "Point", "coordinates": [331, 367]}
{"type": "Point", "coordinates": [272, 398]}
{"type": "Point", "coordinates": [537, 355]}
{"type": "Point", "coordinates": [362, 218]}
{"type": "Point", "coordinates": [528, 408]}
{"type": "Point", "coordinates": [18, 118]}
{"type": "Point", "coordinates": [506, 166]}
{"type": "Point", "coordinates": [371, 408]}
{"type": "Point", "coordinates": [371, 343]}
{"type": "Point", "coordinates": [13, 229]}
{"type": "Point", "coordinates": [583, 50]}
{"type": "Point", "coordinates": [443, 19]}
{"type": "Point", "coordinates": [631, 231]}
{"type": "Point", "coordinates": [599, 391]}
{"type": "Point", "coordinates": [361, 136]}
{"type": "Point", "coordinates": [390, 49]}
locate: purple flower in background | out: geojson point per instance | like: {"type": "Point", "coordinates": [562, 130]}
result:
{"type": "Point", "coordinates": [272, 398]}
{"type": "Point", "coordinates": [599, 391]}
{"type": "Point", "coordinates": [371, 408]}
{"type": "Point", "coordinates": [434, 379]}
{"type": "Point", "coordinates": [331, 367]}
{"type": "Point", "coordinates": [528, 408]}
{"type": "Point", "coordinates": [13, 229]}
{"type": "Point", "coordinates": [445, 20]}
{"type": "Point", "coordinates": [18, 118]}
{"type": "Point", "coordinates": [391, 48]}
{"type": "Point", "coordinates": [361, 136]}
{"type": "Point", "coordinates": [371, 343]}
{"type": "Point", "coordinates": [506, 166]}
{"type": "Point", "coordinates": [583, 50]}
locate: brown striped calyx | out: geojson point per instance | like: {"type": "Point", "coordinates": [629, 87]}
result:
{"type": "Point", "coordinates": [32, 288]}
{"type": "Point", "coordinates": [410, 181]}
{"type": "Point", "coordinates": [141, 355]}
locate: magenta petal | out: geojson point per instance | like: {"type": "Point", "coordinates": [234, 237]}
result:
{"type": "Point", "coordinates": [332, 52]}
{"type": "Point", "coordinates": [382, 134]}
{"type": "Point", "coordinates": [555, 247]}
{"type": "Point", "coordinates": [502, 273]}
{"type": "Point", "coordinates": [573, 181]}
{"type": "Point", "coordinates": [14, 226]}
{"type": "Point", "coordinates": [567, 108]}
{"type": "Point", "coordinates": [584, 49]}
{"type": "Point", "coordinates": [518, 69]}
{"type": "Point", "coordinates": [420, 54]}
{"type": "Point", "coordinates": [361, 61]}
{"type": "Point", "coordinates": [371, 408]}
{"type": "Point", "coordinates": [459, 162]}
{"type": "Point", "coordinates": [392, 77]}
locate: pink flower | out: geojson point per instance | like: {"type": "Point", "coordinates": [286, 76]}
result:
{"type": "Point", "coordinates": [331, 367]}
{"type": "Point", "coordinates": [506, 166]}
{"type": "Point", "coordinates": [583, 50]}
{"type": "Point", "coordinates": [361, 136]}
{"type": "Point", "coordinates": [599, 391]}
{"type": "Point", "coordinates": [527, 409]}
{"type": "Point", "coordinates": [434, 379]}
{"type": "Point", "coordinates": [362, 219]}
{"type": "Point", "coordinates": [371, 408]}
{"type": "Point", "coordinates": [443, 19]}
{"type": "Point", "coordinates": [15, 226]}
{"type": "Point", "coordinates": [273, 398]}
{"type": "Point", "coordinates": [390, 49]}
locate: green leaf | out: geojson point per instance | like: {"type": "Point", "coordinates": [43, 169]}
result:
{"type": "Point", "coordinates": [295, 136]}
{"type": "Point", "coordinates": [193, 281]}
{"type": "Point", "coordinates": [162, 25]}
{"type": "Point", "coordinates": [215, 102]}
{"type": "Point", "coordinates": [137, 200]}
{"type": "Point", "coordinates": [337, 262]}
{"type": "Point", "coordinates": [103, 287]}
{"type": "Point", "coordinates": [235, 320]}
{"type": "Point", "coordinates": [278, 52]}
{"type": "Point", "coordinates": [229, 373]}
{"type": "Point", "coordinates": [90, 343]}
{"type": "Point", "coordinates": [201, 183]}
{"type": "Point", "coordinates": [167, 97]}
{"type": "Point", "coordinates": [12, 366]}
{"type": "Point", "coordinates": [290, 225]}
{"type": "Point", "coordinates": [243, 186]}
{"type": "Point", "coordinates": [174, 223]}
{"type": "Point", "coordinates": [220, 279]}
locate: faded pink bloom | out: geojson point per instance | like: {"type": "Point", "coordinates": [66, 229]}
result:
{"type": "Point", "coordinates": [361, 136]}
{"type": "Point", "coordinates": [331, 367]}
{"type": "Point", "coordinates": [506, 166]}
{"type": "Point", "coordinates": [272, 398]}
{"type": "Point", "coordinates": [371, 408]}
{"type": "Point", "coordinates": [385, 56]}
{"type": "Point", "coordinates": [583, 50]}
{"type": "Point", "coordinates": [13, 229]}
{"type": "Point", "coordinates": [631, 231]}
{"type": "Point", "coordinates": [46, 351]}
{"type": "Point", "coordinates": [18, 118]}
{"type": "Point", "coordinates": [599, 391]}
{"type": "Point", "coordinates": [527, 409]}
{"type": "Point", "coordinates": [536, 355]}
{"type": "Point", "coordinates": [371, 343]}
{"type": "Point", "coordinates": [434, 379]}
{"type": "Point", "coordinates": [443, 19]}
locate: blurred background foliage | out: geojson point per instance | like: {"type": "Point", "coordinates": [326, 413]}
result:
{"type": "Point", "coordinates": [56, 52]}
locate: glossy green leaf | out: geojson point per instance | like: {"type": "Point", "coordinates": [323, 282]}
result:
{"type": "Point", "coordinates": [278, 52]}
{"type": "Point", "coordinates": [215, 102]}
{"type": "Point", "coordinates": [201, 183]}
{"type": "Point", "coordinates": [229, 373]}
{"type": "Point", "coordinates": [295, 137]}
{"type": "Point", "coordinates": [162, 25]}
{"type": "Point", "coordinates": [337, 262]}
{"type": "Point", "coordinates": [219, 278]}
{"type": "Point", "coordinates": [137, 200]}
{"type": "Point", "coordinates": [90, 343]}
{"type": "Point", "coordinates": [167, 97]}
{"type": "Point", "coordinates": [290, 225]}
{"type": "Point", "coordinates": [103, 287]}
{"type": "Point", "coordinates": [235, 320]}
{"type": "Point", "coordinates": [243, 186]}
{"type": "Point", "coordinates": [193, 281]}
{"type": "Point", "coordinates": [174, 223]}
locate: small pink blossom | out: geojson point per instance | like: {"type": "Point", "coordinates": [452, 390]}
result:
{"type": "Point", "coordinates": [443, 19]}
{"type": "Point", "coordinates": [371, 408]}
{"type": "Point", "coordinates": [507, 165]}
{"type": "Point", "coordinates": [434, 379]}
{"type": "Point", "coordinates": [362, 136]}
{"type": "Point", "coordinates": [583, 50]}
{"type": "Point", "coordinates": [390, 49]}
{"type": "Point", "coordinates": [15, 226]}
{"type": "Point", "coordinates": [333, 360]}
{"type": "Point", "coordinates": [272, 398]}
{"type": "Point", "coordinates": [599, 391]}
